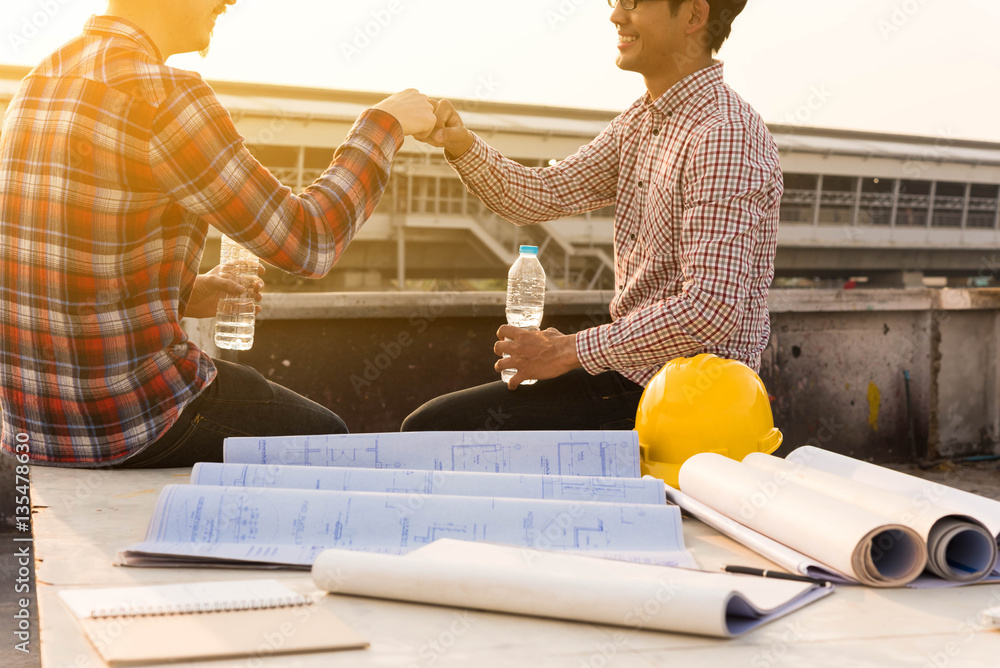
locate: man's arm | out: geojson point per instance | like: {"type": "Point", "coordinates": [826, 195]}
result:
{"type": "Point", "coordinates": [730, 190]}
{"type": "Point", "coordinates": [583, 182]}
{"type": "Point", "coordinates": [198, 159]}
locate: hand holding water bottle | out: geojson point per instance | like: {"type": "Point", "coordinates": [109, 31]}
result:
{"type": "Point", "coordinates": [212, 286]}
{"type": "Point", "coordinates": [534, 354]}
{"type": "Point", "coordinates": [234, 321]}
{"type": "Point", "coordinates": [530, 355]}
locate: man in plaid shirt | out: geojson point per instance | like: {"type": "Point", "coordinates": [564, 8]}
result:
{"type": "Point", "coordinates": [694, 175]}
{"type": "Point", "coordinates": [112, 167]}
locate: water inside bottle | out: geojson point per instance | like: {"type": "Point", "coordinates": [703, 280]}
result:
{"type": "Point", "coordinates": [234, 322]}
{"type": "Point", "coordinates": [526, 318]}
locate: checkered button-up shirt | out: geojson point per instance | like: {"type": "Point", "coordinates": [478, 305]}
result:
{"type": "Point", "coordinates": [112, 167]}
{"type": "Point", "coordinates": [696, 184]}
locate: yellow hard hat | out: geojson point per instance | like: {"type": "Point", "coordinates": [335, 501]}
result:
{"type": "Point", "coordinates": [702, 404]}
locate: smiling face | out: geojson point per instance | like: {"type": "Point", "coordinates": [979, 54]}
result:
{"type": "Point", "coordinates": [661, 45]}
{"type": "Point", "coordinates": [647, 35]}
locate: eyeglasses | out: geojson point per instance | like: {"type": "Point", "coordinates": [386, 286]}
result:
{"type": "Point", "coordinates": [628, 5]}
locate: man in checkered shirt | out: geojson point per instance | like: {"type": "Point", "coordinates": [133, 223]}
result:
{"type": "Point", "coordinates": [694, 176]}
{"type": "Point", "coordinates": [112, 167]}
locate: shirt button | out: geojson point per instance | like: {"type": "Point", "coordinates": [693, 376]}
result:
{"type": "Point", "coordinates": [656, 132]}
{"type": "Point", "coordinates": [640, 184]}
{"type": "Point", "coordinates": [632, 236]}
{"type": "Point", "coordinates": [670, 114]}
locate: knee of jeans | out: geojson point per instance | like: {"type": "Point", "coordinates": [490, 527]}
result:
{"type": "Point", "coordinates": [338, 426]}
{"type": "Point", "coordinates": [331, 423]}
{"type": "Point", "coordinates": [317, 420]}
{"type": "Point", "coordinates": [415, 421]}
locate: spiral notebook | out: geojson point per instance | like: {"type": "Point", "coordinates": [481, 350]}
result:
{"type": "Point", "coordinates": [204, 620]}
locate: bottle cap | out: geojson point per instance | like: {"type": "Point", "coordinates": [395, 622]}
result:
{"type": "Point", "coordinates": [529, 250]}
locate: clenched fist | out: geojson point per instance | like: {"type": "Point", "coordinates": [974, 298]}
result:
{"type": "Point", "coordinates": [412, 109]}
{"type": "Point", "coordinates": [449, 132]}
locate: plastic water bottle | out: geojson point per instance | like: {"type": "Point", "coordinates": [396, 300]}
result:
{"type": "Point", "coordinates": [234, 321]}
{"type": "Point", "coordinates": [525, 297]}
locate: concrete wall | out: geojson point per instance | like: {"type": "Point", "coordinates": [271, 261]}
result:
{"type": "Point", "coordinates": [835, 364]}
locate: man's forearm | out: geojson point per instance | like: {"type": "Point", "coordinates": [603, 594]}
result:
{"type": "Point", "coordinates": [528, 196]}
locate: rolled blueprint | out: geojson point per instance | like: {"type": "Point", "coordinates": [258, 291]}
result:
{"type": "Point", "coordinates": [564, 586]}
{"type": "Point", "coordinates": [922, 492]}
{"type": "Point", "coordinates": [849, 539]}
{"type": "Point", "coordinates": [959, 548]}
{"type": "Point", "coordinates": [770, 549]}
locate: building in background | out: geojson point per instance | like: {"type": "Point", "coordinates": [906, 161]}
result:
{"type": "Point", "coordinates": [885, 210]}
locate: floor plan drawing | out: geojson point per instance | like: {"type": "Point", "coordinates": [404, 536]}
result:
{"type": "Point", "coordinates": [452, 483]}
{"type": "Point", "coordinates": [593, 453]}
{"type": "Point", "coordinates": [268, 524]}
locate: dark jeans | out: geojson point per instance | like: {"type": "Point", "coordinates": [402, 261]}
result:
{"type": "Point", "coordinates": [573, 401]}
{"type": "Point", "coordinates": [239, 402]}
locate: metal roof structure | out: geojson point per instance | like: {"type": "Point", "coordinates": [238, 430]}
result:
{"type": "Point", "coordinates": [942, 185]}
{"type": "Point", "coordinates": [292, 103]}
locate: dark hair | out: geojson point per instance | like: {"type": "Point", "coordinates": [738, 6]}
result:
{"type": "Point", "coordinates": [721, 14]}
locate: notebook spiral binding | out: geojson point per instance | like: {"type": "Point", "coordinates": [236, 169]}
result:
{"type": "Point", "coordinates": [197, 608]}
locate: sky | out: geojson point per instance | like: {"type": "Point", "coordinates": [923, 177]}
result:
{"type": "Point", "coordinates": [924, 67]}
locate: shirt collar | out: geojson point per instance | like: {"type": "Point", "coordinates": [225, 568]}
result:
{"type": "Point", "coordinates": [116, 25]}
{"type": "Point", "coordinates": [687, 90]}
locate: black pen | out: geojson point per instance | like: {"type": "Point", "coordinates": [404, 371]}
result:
{"type": "Point", "coordinates": [777, 575]}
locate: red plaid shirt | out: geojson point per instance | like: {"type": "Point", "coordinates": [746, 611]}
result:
{"type": "Point", "coordinates": [695, 179]}
{"type": "Point", "coordinates": [112, 167]}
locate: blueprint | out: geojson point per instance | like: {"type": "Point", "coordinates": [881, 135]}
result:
{"type": "Point", "coordinates": [573, 453]}
{"type": "Point", "coordinates": [202, 524]}
{"type": "Point", "coordinates": [452, 483]}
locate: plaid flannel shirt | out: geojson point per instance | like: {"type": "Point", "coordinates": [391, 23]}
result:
{"type": "Point", "coordinates": [696, 183]}
{"type": "Point", "coordinates": [112, 167]}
